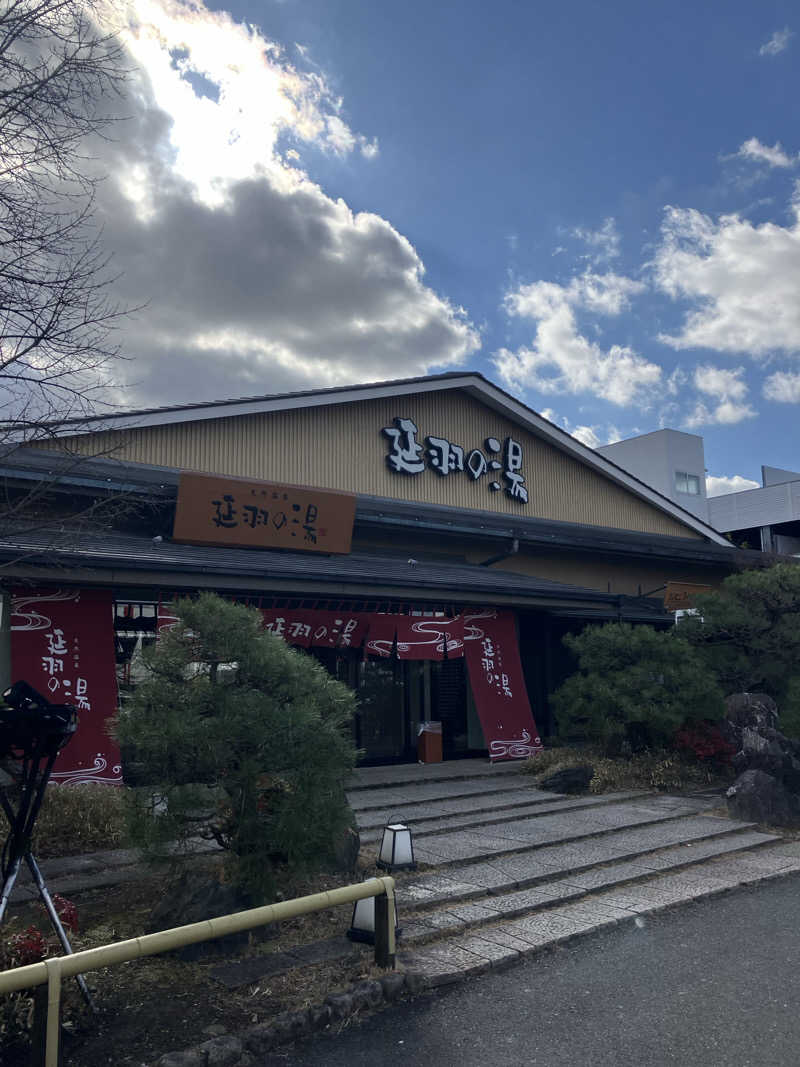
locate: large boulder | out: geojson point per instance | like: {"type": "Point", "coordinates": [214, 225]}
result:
{"type": "Point", "coordinates": [570, 780]}
{"type": "Point", "coordinates": [196, 896]}
{"type": "Point", "coordinates": [759, 797]}
{"type": "Point", "coordinates": [752, 711]}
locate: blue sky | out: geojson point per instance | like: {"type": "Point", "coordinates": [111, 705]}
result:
{"type": "Point", "coordinates": [594, 205]}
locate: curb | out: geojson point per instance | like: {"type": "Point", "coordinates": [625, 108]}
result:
{"type": "Point", "coordinates": [244, 1049]}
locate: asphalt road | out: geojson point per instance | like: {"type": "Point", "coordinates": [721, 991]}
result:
{"type": "Point", "coordinates": [713, 984]}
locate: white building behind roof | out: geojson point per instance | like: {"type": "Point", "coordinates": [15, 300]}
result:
{"type": "Point", "coordinates": [674, 463]}
{"type": "Point", "coordinates": [670, 461]}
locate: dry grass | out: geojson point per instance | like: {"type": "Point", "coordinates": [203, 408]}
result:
{"type": "Point", "coordinates": [80, 818]}
{"type": "Point", "coordinates": [161, 1003]}
{"type": "Point", "coordinates": [660, 769]}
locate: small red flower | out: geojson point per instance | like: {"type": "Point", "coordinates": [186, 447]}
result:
{"type": "Point", "coordinates": [705, 740]}
{"type": "Point", "coordinates": [67, 912]}
{"type": "Point", "coordinates": [28, 947]}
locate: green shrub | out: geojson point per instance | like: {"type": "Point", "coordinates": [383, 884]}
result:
{"type": "Point", "coordinates": [748, 631]}
{"type": "Point", "coordinates": [241, 740]}
{"type": "Point", "coordinates": [635, 686]}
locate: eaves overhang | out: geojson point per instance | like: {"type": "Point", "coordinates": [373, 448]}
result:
{"type": "Point", "coordinates": [125, 559]}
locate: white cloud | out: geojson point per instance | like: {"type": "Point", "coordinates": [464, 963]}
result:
{"type": "Point", "coordinates": [778, 42]}
{"type": "Point", "coordinates": [560, 358]}
{"type": "Point", "coordinates": [254, 279]}
{"type": "Point", "coordinates": [743, 279]}
{"type": "Point", "coordinates": [590, 436]}
{"type": "Point", "coordinates": [783, 386]}
{"type": "Point", "coordinates": [735, 483]}
{"type": "Point", "coordinates": [603, 243]}
{"type": "Point", "coordinates": [726, 388]}
{"type": "Point", "coordinates": [774, 155]}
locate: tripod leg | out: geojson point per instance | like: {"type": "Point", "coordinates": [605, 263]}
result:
{"type": "Point", "coordinates": [57, 924]}
{"type": "Point", "coordinates": [8, 885]}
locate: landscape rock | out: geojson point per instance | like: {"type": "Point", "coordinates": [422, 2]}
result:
{"type": "Point", "coordinates": [759, 797]}
{"type": "Point", "coordinates": [341, 1004]}
{"type": "Point", "coordinates": [570, 780]}
{"type": "Point", "coordinates": [260, 1039]}
{"type": "Point", "coordinates": [196, 897]}
{"type": "Point", "coordinates": [190, 1058]}
{"type": "Point", "coordinates": [321, 1016]}
{"type": "Point", "coordinates": [768, 763]}
{"type": "Point", "coordinates": [756, 711]}
{"type": "Point", "coordinates": [367, 994]}
{"type": "Point", "coordinates": [393, 985]}
{"type": "Point", "coordinates": [222, 1051]}
{"type": "Point", "coordinates": [346, 849]}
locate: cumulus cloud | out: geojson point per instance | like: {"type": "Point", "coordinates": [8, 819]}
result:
{"type": "Point", "coordinates": [773, 156]}
{"type": "Point", "coordinates": [561, 359]}
{"type": "Point", "coordinates": [602, 244]}
{"type": "Point", "coordinates": [783, 386]}
{"type": "Point", "coordinates": [252, 278]}
{"type": "Point", "coordinates": [726, 388]}
{"type": "Point", "coordinates": [742, 278]}
{"type": "Point", "coordinates": [777, 43]}
{"type": "Point", "coordinates": [735, 483]}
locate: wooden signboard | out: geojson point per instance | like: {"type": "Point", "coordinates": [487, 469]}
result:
{"type": "Point", "coordinates": [221, 510]}
{"type": "Point", "coordinates": [680, 595]}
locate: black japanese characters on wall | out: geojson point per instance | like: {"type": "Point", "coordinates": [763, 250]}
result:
{"type": "Point", "coordinates": [407, 456]}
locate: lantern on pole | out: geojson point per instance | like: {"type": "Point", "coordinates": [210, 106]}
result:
{"type": "Point", "coordinates": [397, 849]}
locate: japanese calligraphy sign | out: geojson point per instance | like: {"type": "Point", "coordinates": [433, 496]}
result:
{"type": "Point", "coordinates": [491, 649]}
{"type": "Point", "coordinates": [220, 510]}
{"type": "Point", "coordinates": [322, 629]}
{"type": "Point", "coordinates": [499, 462]}
{"type": "Point", "coordinates": [678, 595]}
{"type": "Point", "coordinates": [62, 643]}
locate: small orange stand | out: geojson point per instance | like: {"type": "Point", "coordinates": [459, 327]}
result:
{"type": "Point", "coordinates": [429, 743]}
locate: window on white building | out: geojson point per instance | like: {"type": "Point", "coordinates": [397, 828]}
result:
{"type": "Point", "coordinates": [687, 483]}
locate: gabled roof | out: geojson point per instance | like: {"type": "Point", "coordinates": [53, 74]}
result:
{"type": "Point", "coordinates": [471, 382]}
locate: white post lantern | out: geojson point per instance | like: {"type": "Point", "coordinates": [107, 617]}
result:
{"type": "Point", "coordinates": [362, 925]}
{"type": "Point", "coordinates": [397, 850]}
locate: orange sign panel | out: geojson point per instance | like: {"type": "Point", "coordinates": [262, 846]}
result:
{"type": "Point", "coordinates": [678, 595]}
{"type": "Point", "coordinates": [220, 510]}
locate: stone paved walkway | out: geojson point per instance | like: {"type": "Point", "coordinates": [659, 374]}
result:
{"type": "Point", "coordinates": [506, 869]}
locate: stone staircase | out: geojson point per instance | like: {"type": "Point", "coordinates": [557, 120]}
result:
{"type": "Point", "coordinates": [507, 869]}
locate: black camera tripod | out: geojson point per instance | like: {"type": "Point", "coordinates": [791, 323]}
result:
{"type": "Point", "coordinates": [32, 733]}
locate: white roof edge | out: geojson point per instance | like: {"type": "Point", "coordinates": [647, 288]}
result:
{"type": "Point", "coordinates": [261, 405]}
{"type": "Point", "coordinates": [472, 382]}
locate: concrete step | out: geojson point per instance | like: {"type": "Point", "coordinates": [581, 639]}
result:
{"type": "Point", "coordinates": [434, 793]}
{"type": "Point", "coordinates": [506, 900]}
{"type": "Point", "coordinates": [697, 838]}
{"type": "Point", "coordinates": [433, 808]}
{"type": "Point", "coordinates": [371, 827]}
{"type": "Point", "coordinates": [501, 943]}
{"type": "Point", "coordinates": [415, 773]}
{"type": "Point", "coordinates": [458, 846]}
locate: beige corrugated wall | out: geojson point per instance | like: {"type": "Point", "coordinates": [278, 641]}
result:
{"type": "Point", "coordinates": [340, 446]}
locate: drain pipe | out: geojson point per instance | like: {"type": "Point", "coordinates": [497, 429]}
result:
{"type": "Point", "coordinates": [512, 551]}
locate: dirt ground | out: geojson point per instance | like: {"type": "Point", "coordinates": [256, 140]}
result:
{"type": "Point", "coordinates": [161, 1004]}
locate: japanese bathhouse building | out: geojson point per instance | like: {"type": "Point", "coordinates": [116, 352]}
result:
{"type": "Point", "coordinates": [430, 541]}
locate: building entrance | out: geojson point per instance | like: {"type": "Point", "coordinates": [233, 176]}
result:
{"type": "Point", "coordinates": [396, 696]}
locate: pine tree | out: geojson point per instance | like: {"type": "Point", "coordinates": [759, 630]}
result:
{"type": "Point", "coordinates": [748, 631]}
{"type": "Point", "coordinates": [634, 684]}
{"type": "Point", "coordinates": [242, 740]}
